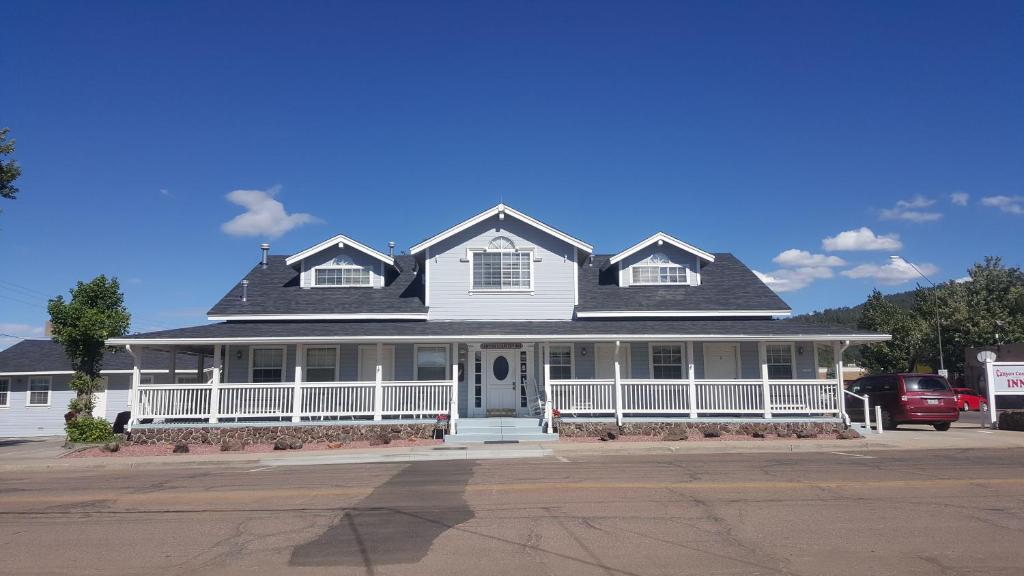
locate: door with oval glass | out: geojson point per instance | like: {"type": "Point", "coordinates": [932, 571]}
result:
{"type": "Point", "coordinates": [501, 369]}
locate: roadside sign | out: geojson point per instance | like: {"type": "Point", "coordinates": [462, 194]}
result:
{"type": "Point", "coordinates": [944, 373]}
{"type": "Point", "coordinates": [1008, 378]}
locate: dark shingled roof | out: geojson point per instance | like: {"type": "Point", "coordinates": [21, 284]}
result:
{"type": "Point", "coordinates": [726, 284]}
{"type": "Point", "coordinates": [414, 329]}
{"type": "Point", "coordinates": [275, 290]}
{"type": "Point", "coordinates": [48, 356]}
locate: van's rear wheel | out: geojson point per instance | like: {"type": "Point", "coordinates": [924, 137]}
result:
{"type": "Point", "coordinates": [941, 426]}
{"type": "Point", "coordinates": [887, 423]}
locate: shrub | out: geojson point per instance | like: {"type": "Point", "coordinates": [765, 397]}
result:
{"type": "Point", "coordinates": [89, 430]}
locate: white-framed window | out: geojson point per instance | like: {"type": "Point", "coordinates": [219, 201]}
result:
{"type": "Point", "coordinates": [502, 267]}
{"type": "Point", "coordinates": [667, 362]}
{"type": "Point", "coordinates": [38, 391]}
{"type": "Point", "coordinates": [186, 378]}
{"type": "Point", "coordinates": [5, 392]}
{"type": "Point", "coordinates": [342, 271]}
{"type": "Point", "coordinates": [560, 361]}
{"type": "Point", "coordinates": [432, 362]}
{"type": "Point", "coordinates": [266, 365]}
{"type": "Point", "coordinates": [780, 361]}
{"type": "Point", "coordinates": [658, 269]}
{"type": "Point", "coordinates": [322, 364]}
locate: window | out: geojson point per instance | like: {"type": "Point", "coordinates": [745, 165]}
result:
{"type": "Point", "coordinates": [186, 378]}
{"type": "Point", "coordinates": [5, 392]}
{"type": "Point", "coordinates": [322, 364]}
{"type": "Point", "coordinates": [658, 269]}
{"type": "Point", "coordinates": [924, 383]}
{"type": "Point", "coordinates": [667, 361]}
{"type": "Point", "coordinates": [343, 271]}
{"type": "Point", "coordinates": [39, 391]}
{"type": "Point", "coordinates": [431, 362]}
{"type": "Point", "coordinates": [780, 361]}
{"type": "Point", "coordinates": [146, 379]}
{"type": "Point", "coordinates": [502, 267]}
{"type": "Point", "coordinates": [267, 365]}
{"type": "Point", "coordinates": [477, 379]}
{"type": "Point", "coordinates": [560, 362]}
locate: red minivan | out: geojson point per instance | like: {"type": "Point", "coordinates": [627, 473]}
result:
{"type": "Point", "coordinates": [905, 399]}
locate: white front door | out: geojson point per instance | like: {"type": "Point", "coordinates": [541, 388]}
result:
{"type": "Point", "coordinates": [368, 363]}
{"type": "Point", "coordinates": [721, 361]}
{"type": "Point", "coordinates": [501, 368]}
{"type": "Point", "coordinates": [604, 358]}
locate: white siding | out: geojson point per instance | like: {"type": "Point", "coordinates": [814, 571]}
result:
{"type": "Point", "coordinates": [449, 279]}
{"type": "Point", "coordinates": [674, 254]}
{"type": "Point", "coordinates": [359, 258]}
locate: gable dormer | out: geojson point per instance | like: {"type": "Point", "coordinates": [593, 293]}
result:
{"type": "Point", "coordinates": [341, 262]}
{"type": "Point", "coordinates": [660, 260]}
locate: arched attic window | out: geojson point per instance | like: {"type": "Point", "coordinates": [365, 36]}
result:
{"type": "Point", "coordinates": [658, 269]}
{"type": "Point", "coordinates": [502, 267]}
{"type": "Point", "coordinates": [343, 271]}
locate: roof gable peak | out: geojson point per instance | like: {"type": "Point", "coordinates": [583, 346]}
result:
{"type": "Point", "coordinates": [341, 241]}
{"type": "Point", "coordinates": [501, 210]}
{"type": "Point", "coordinates": [662, 238]}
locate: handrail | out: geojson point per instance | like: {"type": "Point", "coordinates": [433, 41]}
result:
{"type": "Point", "coordinates": [867, 407]}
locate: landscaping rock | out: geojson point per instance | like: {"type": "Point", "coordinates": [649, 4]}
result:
{"type": "Point", "coordinates": [294, 443]}
{"type": "Point", "coordinates": [712, 432]}
{"type": "Point", "coordinates": [180, 448]}
{"type": "Point", "coordinates": [848, 434]}
{"type": "Point", "coordinates": [282, 444]}
{"type": "Point", "coordinates": [676, 436]}
{"type": "Point", "coordinates": [231, 445]}
{"type": "Point", "coordinates": [610, 435]}
{"type": "Point", "coordinates": [110, 447]}
{"type": "Point", "coordinates": [1011, 420]}
{"type": "Point", "coordinates": [335, 445]}
{"type": "Point", "coordinates": [805, 433]}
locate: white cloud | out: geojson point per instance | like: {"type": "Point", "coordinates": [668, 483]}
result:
{"type": "Point", "coordinates": [861, 239]}
{"type": "Point", "coordinates": [788, 280]}
{"type": "Point", "coordinates": [1008, 204]}
{"type": "Point", "coordinates": [12, 333]}
{"type": "Point", "coordinates": [959, 198]}
{"type": "Point", "coordinates": [963, 279]}
{"type": "Point", "coordinates": [263, 216]}
{"type": "Point", "coordinates": [911, 211]}
{"type": "Point", "coordinates": [894, 272]}
{"type": "Point", "coordinates": [166, 193]}
{"type": "Point", "coordinates": [800, 258]}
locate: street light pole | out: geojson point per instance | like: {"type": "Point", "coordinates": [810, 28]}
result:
{"type": "Point", "coordinates": [938, 318]}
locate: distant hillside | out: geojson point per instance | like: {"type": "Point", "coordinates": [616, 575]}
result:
{"type": "Point", "coordinates": [850, 315]}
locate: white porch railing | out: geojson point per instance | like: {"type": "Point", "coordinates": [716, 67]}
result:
{"type": "Point", "coordinates": [255, 400]}
{"type": "Point", "coordinates": [583, 396]}
{"type": "Point", "coordinates": [670, 397]}
{"type": "Point", "coordinates": [337, 399]}
{"type": "Point", "coordinates": [174, 401]}
{"type": "Point", "coordinates": [655, 396]}
{"type": "Point", "coordinates": [426, 398]}
{"type": "Point", "coordinates": [803, 397]}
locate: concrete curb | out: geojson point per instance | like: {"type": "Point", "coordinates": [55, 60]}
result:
{"type": "Point", "coordinates": [412, 456]}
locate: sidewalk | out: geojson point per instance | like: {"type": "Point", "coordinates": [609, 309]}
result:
{"type": "Point", "coordinates": [45, 454]}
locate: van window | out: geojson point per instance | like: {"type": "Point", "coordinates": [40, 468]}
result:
{"type": "Point", "coordinates": [887, 384]}
{"type": "Point", "coordinates": [925, 383]}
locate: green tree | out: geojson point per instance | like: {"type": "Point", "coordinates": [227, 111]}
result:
{"type": "Point", "coordinates": [902, 352]}
{"type": "Point", "coordinates": [9, 169]}
{"type": "Point", "coordinates": [82, 325]}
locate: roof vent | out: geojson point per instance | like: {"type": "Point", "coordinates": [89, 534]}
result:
{"type": "Point", "coordinates": [245, 290]}
{"type": "Point", "coordinates": [391, 249]}
{"type": "Point", "coordinates": [265, 249]}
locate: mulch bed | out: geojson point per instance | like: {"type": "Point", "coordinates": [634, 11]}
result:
{"type": "Point", "coordinates": [165, 449]}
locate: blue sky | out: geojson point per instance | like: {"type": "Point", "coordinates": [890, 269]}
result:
{"type": "Point", "coordinates": [749, 127]}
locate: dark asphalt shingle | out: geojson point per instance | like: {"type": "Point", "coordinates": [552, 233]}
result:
{"type": "Point", "coordinates": [48, 356]}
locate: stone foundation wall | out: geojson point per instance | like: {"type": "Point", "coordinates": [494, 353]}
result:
{"type": "Point", "coordinates": [269, 434]}
{"type": "Point", "coordinates": [662, 429]}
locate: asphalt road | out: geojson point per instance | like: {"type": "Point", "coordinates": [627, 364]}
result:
{"type": "Point", "coordinates": [895, 512]}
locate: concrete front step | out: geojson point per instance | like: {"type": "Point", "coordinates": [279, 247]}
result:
{"type": "Point", "coordinates": [474, 438]}
{"type": "Point", "coordinates": [499, 429]}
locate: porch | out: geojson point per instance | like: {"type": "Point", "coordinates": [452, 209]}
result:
{"type": "Point", "coordinates": [360, 382]}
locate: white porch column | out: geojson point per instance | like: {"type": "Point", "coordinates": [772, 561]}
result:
{"type": "Point", "coordinates": [618, 385]}
{"type": "Point", "coordinates": [215, 384]}
{"type": "Point", "coordinates": [378, 386]}
{"type": "Point", "coordinates": [133, 402]}
{"type": "Point", "coordinates": [547, 389]}
{"type": "Point", "coordinates": [762, 350]}
{"type": "Point", "coordinates": [453, 415]}
{"type": "Point", "coordinates": [300, 364]}
{"type": "Point", "coordinates": [691, 375]}
{"type": "Point", "coordinates": [837, 363]}
{"type": "Point", "coordinates": [990, 392]}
